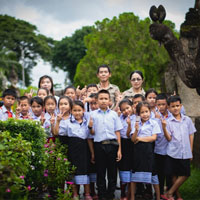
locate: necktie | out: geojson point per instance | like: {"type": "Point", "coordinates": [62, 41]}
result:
{"type": "Point", "coordinates": [9, 114]}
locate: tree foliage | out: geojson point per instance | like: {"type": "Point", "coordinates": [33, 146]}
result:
{"type": "Point", "coordinates": [23, 39]}
{"type": "Point", "coordinates": [125, 45]}
{"type": "Point", "coordinates": [68, 52]}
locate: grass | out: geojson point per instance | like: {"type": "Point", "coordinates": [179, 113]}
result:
{"type": "Point", "coordinates": [190, 190]}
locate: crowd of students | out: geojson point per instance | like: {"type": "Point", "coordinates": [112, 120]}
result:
{"type": "Point", "coordinates": [145, 137]}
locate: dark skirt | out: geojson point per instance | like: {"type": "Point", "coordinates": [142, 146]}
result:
{"type": "Point", "coordinates": [143, 166]}
{"type": "Point", "coordinates": [78, 153]}
{"type": "Point", "coordinates": [127, 155]}
{"type": "Point", "coordinates": [143, 159]}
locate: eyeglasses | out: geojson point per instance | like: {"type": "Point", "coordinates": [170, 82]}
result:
{"type": "Point", "coordinates": [136, 79]}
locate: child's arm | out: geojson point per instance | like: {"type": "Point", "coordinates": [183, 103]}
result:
{"type": "Point", "coordinates": [191, 137]}
{"type": "Point", "coordinates": [52, 121]}
{"type": "Point", "coordinates": [134, 136]}
{"type": "Point", "coordinates": [90, 125]}
{"type": "Point", "coordinates": [167, 135]}
{"type": "Point", "coordinates": [146, 139]}
{"type": "Point", "coordinates": [129, 127]}
{"type": "Point", "coordinates": [91, 147]}
{"type": "Point", "coordinates": [119, 152]}
{"type": "Point", "coordinates": [56, 128]}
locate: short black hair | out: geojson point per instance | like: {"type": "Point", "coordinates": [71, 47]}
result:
{"type": "Point", "coordinates": [173, 99]}
{"type": "Point", "coordinates": [47, 91]}
{"type": "Point", "coordinates": [139, 96]}
{"type": "Point", "coordinates": [103, 66]}
{"type": "Point", "coordinates": [38, 100]}
{"type": "Point", "coordinates": [103, 92]}
{"type": "Point", "coordinates": [161, 96]}
{"type": "Point", "coordinates": [92, 85]}
{"type": "Point", "coordinates": [22, 98]}
{"type": "Point", "coordinates": [9, 92]}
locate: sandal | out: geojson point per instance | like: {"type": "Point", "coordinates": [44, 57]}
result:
{"type": "Point", "coordinates": [75, 197]}
{"type": "Point", "coordinates": [166, 198]}
{"type": "Point", "coordinates": [88, 197]}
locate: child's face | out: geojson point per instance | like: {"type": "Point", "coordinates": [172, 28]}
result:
{"type": "Point", "coordinates": [8, 101]}
{"type": "Point", "coordinates": [126, 109]}
{"type": "Point", "coordinates": [162, 105]}
{"type": "Point", "coordinates": [70, 92]}
{"type": "Point", "coordinates": [145, 113]}
{"type": "Point", "coordinates": [24, 104]}
{"type": "Point", "coordinates": [77, 112]}
{"type": "Point", "coordinates": [64, 106]}
{"type": "Point", "coordinates": [151, 99]}
{"type": "Point", "coordinates": [42, 93]}
{"type": "Point", "coordinates": [91, 90]}
{"type": "Point", "coordinates": [46, 83]}
{"type": "Point", "coordinates": [36, 108]}
{"type": "Point", "coordinates": [103, 101]}
{"type": "Point", "coordinates": [94, 104]}
{"type": "Point", "coordinates": [103, 74]}
{"type": "Point", "coordinates": [50, 106]}
{"type": "Point", "coordinates": [175, 108]}
{"type": "Point", "coordinates": [136, 101]}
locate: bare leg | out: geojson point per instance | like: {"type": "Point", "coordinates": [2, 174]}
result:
{"type": "Point", "coordinates": [157, 190]}
{"type": "Point", "coordinates": [133, 188]}
{"type": "Point", "coordinates": [87, 189]}
{"type": "Point", "coordinates": [74, 189]}
{"type": "Point", "coordinates": [178, 182]}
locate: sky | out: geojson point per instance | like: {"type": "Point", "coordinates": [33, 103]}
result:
{"type": "Point", "coordinates": [58, 19]}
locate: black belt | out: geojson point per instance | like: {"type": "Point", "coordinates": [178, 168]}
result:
{"type": "Point", "coordinates": [110, 142]}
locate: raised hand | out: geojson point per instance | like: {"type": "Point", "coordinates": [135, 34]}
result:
{"type": "Point", "coordinates": [52, 119]}
{"type": "Point", "coordinates": [42, 118]}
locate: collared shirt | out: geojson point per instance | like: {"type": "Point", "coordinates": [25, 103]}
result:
{"type": "Point", "coordinates": [4, 113]}
{"type": "Point", "coordinates": [179, 146]}
{"type": "Point", "coordinates": [113, 90]}
{"type": "Point", "coordinates": [161, 142]}
{"type": "Point", "coordinates": [35, 118]}
{"type": "Point", "coordinates": [130, 93]}
{"type": "Point", "coordinates": [47, 124]}
{"type": "Point", "coordinates": [125, 125]}
{"type": "Point", "coordinates": [105, 124]}
{"type": "Point", "coordinates": [71, 128]}
{"type": "Point", "coordinates": [147, 129]}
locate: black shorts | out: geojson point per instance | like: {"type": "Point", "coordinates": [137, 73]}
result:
{"type": "Point", "coordinates": [177, 167]}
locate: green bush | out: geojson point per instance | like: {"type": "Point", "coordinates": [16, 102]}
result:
{"type": "Point", "coordinates": [43, 168]}
{"type": "Point", "coordinates": [15, 154]}
{"type": "Point", "coordinates": [34, 133]}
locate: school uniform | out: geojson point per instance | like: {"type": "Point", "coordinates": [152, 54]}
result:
{"type": "Point", "coordinates": [143, 167]}
{"type": "Point", "coordinates": [78, 152]}
{"type": "Point", "coordinates": [35, 118]}
{"type": "Point", "coordinates": [105, 124]}
{"type": "Point", "coordinates": [21, 117]}
{"type": "Point", "coordinates": [47, 127]}
{"type": "Point", "coordinates": [6, 114]}
{"type": "Point", "coordinates": [127, 151]}
{"type": "Point", "coordinates": [178, 149]}
{"type": "Point", "coordinates": [160, 151]}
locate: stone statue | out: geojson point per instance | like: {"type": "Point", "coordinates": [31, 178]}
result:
{"type": "Point", "coordinates": [185, 52]}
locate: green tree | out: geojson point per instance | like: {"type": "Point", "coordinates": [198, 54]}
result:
{"type": "Point", "coordinates": [125, 45]}
{"type": "Point", "coordinates": [23, 38]}
{"type": "Point", "coordinates": [68, 52]}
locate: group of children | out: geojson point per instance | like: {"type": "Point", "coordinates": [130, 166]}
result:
{"type": "Point", "coordinates": [148, 139]}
